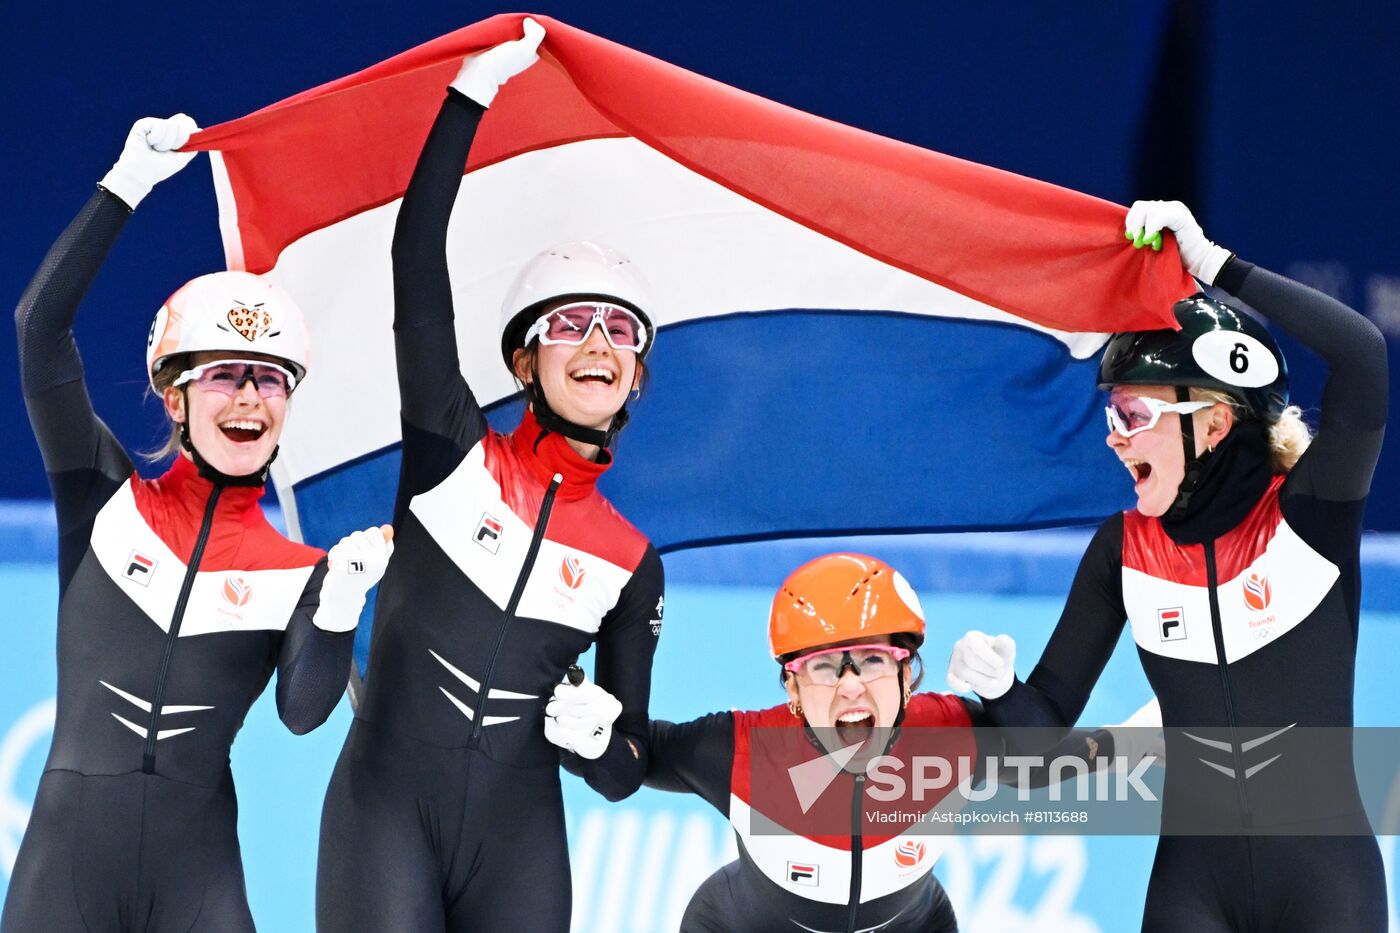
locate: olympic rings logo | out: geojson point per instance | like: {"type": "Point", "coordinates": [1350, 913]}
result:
{"type": "Point", "coordinates": [31, 729]}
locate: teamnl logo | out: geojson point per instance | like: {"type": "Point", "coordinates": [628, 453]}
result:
{"type": "Point", "coordinates": [945, 780]}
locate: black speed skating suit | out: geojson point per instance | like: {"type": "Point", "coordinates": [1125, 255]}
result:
{"type": "Point", "coordinates": [445, 810]}
{"type": "Point", "coordinates": [1245, 615]}
{"type": "Point", "coordinates": [868, 878]}
{"type": "Point", "coordinates": [177, 600]}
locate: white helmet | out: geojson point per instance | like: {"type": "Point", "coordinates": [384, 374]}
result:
{"type": "Point", "coordinates": [229, 312]}
{"type": "Point", "coordinates": [578, 269]}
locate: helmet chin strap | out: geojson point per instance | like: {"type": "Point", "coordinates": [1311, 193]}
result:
{"type": "Point", "coordinates": [208, 471]}
{"type": "Point", "coordinates": [552, 421]}
{"type": "Point", "coordinates": [1192, 476]}
{"type": "Point", "coordinates": [890, 737]}
{"type": "Point", "coordinates": [903, 704]}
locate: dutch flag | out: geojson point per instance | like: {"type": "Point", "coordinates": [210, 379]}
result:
{"type": "Point", "coordinates": [857, 334]}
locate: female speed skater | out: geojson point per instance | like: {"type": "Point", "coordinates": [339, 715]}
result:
{"type": "Point", "coordinates": [846, 631]}
{"type": "Point", "coordinates": [177, 599]}
{"type": "Point", "coordinates": [445, 809]}
{"type": "Point", "coordinates": [1239, 572]}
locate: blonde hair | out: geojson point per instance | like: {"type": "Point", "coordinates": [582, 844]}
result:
{"type": "Point", "coordinates": [1288, 437]}
{"type": "Point", "coordinates": [164, 377]}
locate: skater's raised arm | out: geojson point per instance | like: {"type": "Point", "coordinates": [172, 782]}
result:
{"type": "Point", "coordinates": [440, 417]}
{"type": "Point", "coordinates": [1339, 462]}
{"type": "Point", "coordinates": [434, 397]}
{"type": "Point", "coordinates": [78, 449]}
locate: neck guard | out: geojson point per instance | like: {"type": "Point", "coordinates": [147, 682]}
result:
{"type": "Point", "coordinates": [1228, 484]}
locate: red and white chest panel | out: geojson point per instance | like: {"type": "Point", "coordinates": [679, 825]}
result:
{"type": "Point", "coordinates": [149, 572]}
{"type": "Point", "coordinates": [582, 564]}
{"type": "Point", "coordinates": [1269, 581]}
{"type": "Point", "coordinates": [818, 867]}
{"type": "Point", "coordinates": [817, 872]}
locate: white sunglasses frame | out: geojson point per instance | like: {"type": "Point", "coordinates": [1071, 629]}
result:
{"type": "Point", "coordinates": [539, 329]}
{"type": "Point", "coordinates": [1157, 407]}
{"type": "Point", "coordinates": [194, 372]}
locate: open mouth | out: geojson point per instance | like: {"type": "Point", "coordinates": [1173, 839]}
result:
{"type": "Point", "coordinates": [242, 432]}
{"type": "Point", "coordinates": [595, 375]}
{"type": "Point", "coordinates": [855, 727]}
{"type": "Point", "coordinates": [1140, 469]}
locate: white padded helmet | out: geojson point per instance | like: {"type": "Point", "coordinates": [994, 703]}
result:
{"type": "Point", "coordinates": [578, 269]}
{"type": "Point", "coordinates": [229, 312]}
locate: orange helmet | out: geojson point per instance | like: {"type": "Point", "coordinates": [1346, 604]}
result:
{"type": "Point", "coordinates": [841, 597]}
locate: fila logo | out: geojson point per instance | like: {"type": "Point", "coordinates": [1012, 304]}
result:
{"type": "Point", "coordinates": [140, 568]}
{"type": "Point", "coordinates": [1172, 624]}
{"type": "Point", "coordinates": [571, 572]}
{"type": "Point", "coordinates": [488, 533]}
{"type": "Point", "coordinates": [799, 873]}
{"type": "Point", "coordinates": [1257, 592]}
{"type": "Point", "coordinates": [909, 853]}
{"type": "Point", "coordinates": [237, 591]}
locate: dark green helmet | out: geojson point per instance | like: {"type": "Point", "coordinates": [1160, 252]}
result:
{"type": "Point", "coordinates": [1218, 347]}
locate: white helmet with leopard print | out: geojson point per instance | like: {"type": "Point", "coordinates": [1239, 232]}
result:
{"type": "Point", "coordinates": [230, 312]}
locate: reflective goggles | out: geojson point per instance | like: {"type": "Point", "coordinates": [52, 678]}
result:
{"type": "Point", "coordinates": [868, 662]}
{"type": "Point", "coordinates": [571, 325]}
{"type": "Point", "coordinates": [1133, 414]}
{"type": "Point", "coordinates": [228, 376]}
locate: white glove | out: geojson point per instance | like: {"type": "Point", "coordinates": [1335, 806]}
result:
{"type": "Point", "coordinates": [355, 565]}
{"type": "Point", "coordinates": [1140, 735]}
{"type": "Point", "coordinates": [149, 157]}
{"type": "Point", "coordinates": [1199, 256]}
{"type": "Point", "coordinates": [983, 664]}
{"type": "Point", "coordinates": [483, 74]}
{"type": "Point", "coordinates": [580, 718]}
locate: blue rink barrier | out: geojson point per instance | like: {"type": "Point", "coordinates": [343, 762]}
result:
{"type": "Point", "coordinates": [1009, 563]}
{"type": "Point", "coordinates": [636, 863]}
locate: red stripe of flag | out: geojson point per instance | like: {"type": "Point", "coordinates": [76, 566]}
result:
{"type": "Point", "coordinates": [1038, 251]}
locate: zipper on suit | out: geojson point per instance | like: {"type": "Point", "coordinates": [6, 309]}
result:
{"type": "Point", "coordinates": [857, 851]}
{"type": "Point", "coordinates": [540, 524]}
{"type": "Point", "coordinates": [148, 758]}
{"type": "Point", "coordinates": [1222, 664]}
